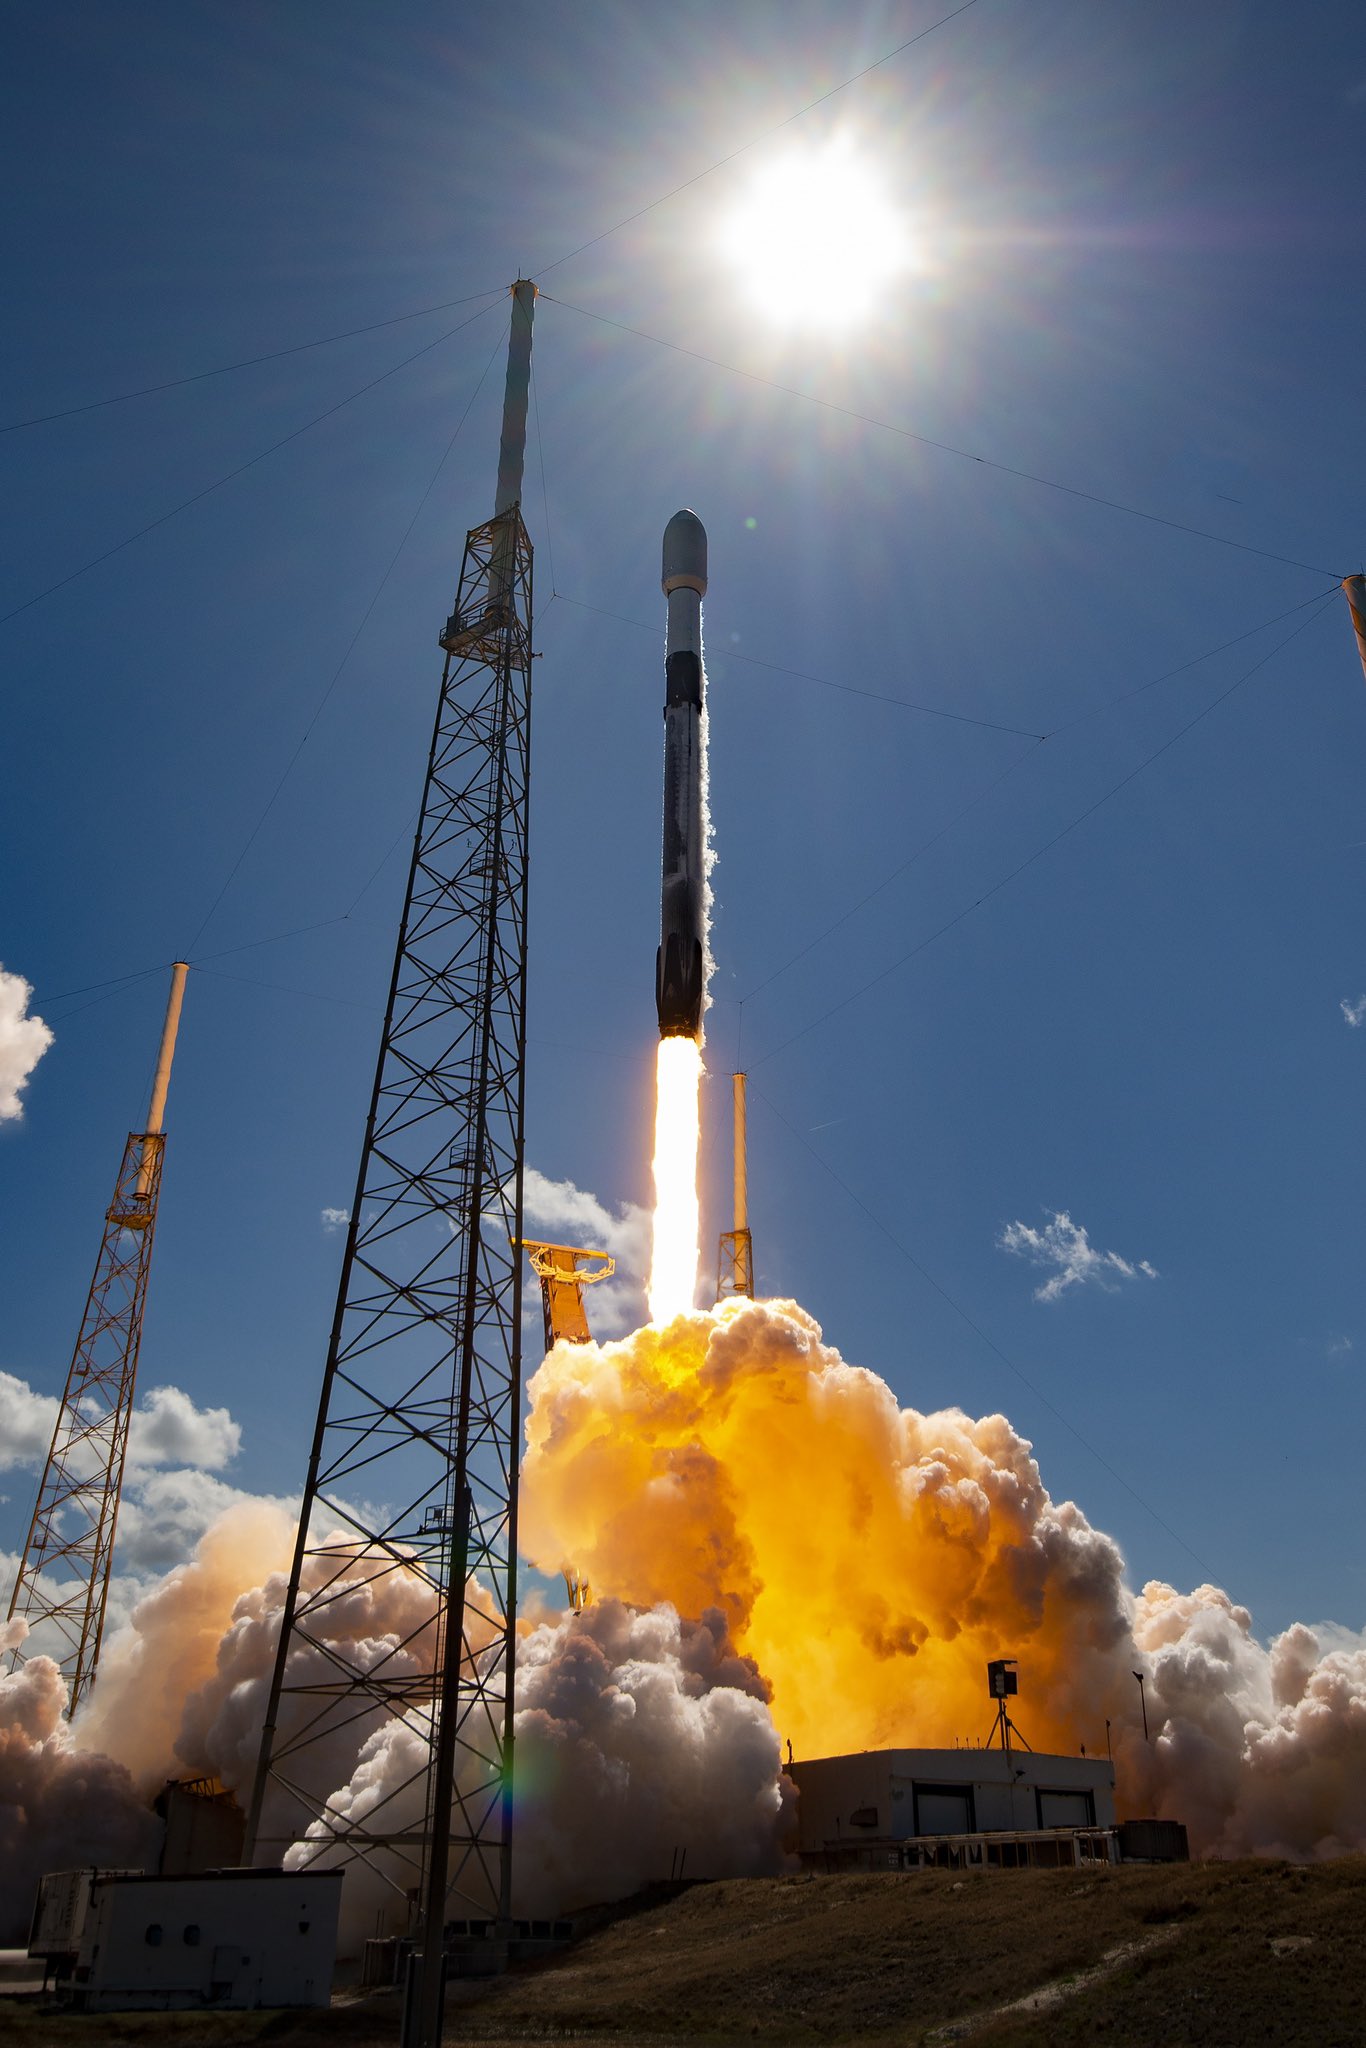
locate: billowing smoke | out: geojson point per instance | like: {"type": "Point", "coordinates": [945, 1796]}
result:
{"type": "Point", "coordinates": [643, 1742]}
{"type": "Point", "coordinates": [778, 1550]}
{"type": "Point", "coordinates": [152, 1671]}
{"type": "Point", "coordinates": [58, 1806]}
{"type": "Point", "coordinates": [646, 1735]}
{"type": "Point", "coordinates": [1261, 1751]}
{"type": "Point", "coordinates": [871, 1560]}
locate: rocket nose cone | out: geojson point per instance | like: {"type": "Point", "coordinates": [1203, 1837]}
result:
{"type": "Point", "coordinates": [685, 554]}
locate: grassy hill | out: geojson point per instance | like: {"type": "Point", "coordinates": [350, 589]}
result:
{"type": "Point", "coordinates": [1231, 1953]}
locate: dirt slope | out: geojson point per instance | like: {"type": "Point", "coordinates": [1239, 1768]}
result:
{"type": "Point", "coordinates": [1239, 1953]}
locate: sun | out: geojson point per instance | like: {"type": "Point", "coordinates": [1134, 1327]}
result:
{"type": "Point", "coordinates": [815, 237]}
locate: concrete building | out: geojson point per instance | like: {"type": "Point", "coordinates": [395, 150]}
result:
{"type": "Point", "coordinates": [906, 1809]}
{"type": "Point", "coordinates": [120, 1942]}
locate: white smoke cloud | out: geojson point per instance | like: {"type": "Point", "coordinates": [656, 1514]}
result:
{"type": "Point", "coordinates": [173, 1640]}
{"type": "Point", "coordinates": [1261, 1750]}
{"type": "Point", "coordinates": [23, 1041]}
{"type": "Point", "coordinates": [565, 1214]}
{"type": "Point", "coordinates": [168, 1429]}
{"type": "Point", "coordinates": [1355, 1013]}
{"type": "Point", "coordinates": [27, 1420]}
{"type": "Point", "coordinates": [372, 1616]}
{"type": "Point", "coordinates": [639, 1738]}
{"type": "Point", "coordinates": [334, 1220]}
{"type": "Point", "coordinates": [58, 1807]}
{"type": "Point", "coordinates": [640, 1733]}
{"type": "Point", "coordinates": [1065, 1246]}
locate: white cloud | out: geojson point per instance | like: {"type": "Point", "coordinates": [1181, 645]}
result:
{"type": "Point", "coordinates": [1355, 1013]}
{"type": "Point", "coordinates": [163, 1512]}
{"type": "Point", "coordinates": [565, 1214]}
{"type": "Point", "coordinates": [335, 1219]}
{"type": "Point", "coordinates": [27, 1421]}
{"type": "Point", "coordinates": [167, 1429]}
{"type": "Point", "coordinates": [163, 1516]}
{"type": "Point", "coordinates": [1338, 1346]}
{"type": "Point", "coordinates": [23, 1041]}
{"type": "Point", "coordinates": [1064, 1245]}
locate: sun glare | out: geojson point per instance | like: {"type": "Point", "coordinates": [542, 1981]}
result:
{"type": "Point", "coordinates": [814, 237]}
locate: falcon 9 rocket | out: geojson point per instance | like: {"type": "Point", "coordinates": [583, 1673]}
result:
{"type": "Point", "coordinates": [678, 964]}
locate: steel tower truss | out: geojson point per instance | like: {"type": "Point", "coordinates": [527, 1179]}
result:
{"type": "Point", "coordinates": [63, 1581]}
{"type": "Point", "coordinates": [410, 1507]}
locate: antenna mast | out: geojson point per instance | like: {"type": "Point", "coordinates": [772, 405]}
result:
{"type": "Point", "coordinates": [63, 1582]}
{"type": "Point", "coordinates": [412, 1482]}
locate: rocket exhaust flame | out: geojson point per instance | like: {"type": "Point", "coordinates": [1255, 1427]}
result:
{"type": "Point", "coordinates": [677, 1223]}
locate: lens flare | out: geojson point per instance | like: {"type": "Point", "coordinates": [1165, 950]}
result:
{"type": "Point", "coordinates": [673, 1266]}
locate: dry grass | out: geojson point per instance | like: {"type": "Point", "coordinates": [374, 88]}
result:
{"type": "Point", "coordinates": [1208, 1953]}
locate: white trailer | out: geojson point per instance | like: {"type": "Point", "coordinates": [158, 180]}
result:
{"type": "Point", "coordinates": [220, 1938]}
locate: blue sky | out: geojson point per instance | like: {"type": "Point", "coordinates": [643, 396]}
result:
{"type": "Point", "coordinates": [1141, 279]}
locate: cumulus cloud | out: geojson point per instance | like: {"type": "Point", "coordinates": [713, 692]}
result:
{"type": "Point", "coordinates": [23, 1041]}
{"type": "Point", "coordinates": [171, 1495]}
{"type": "Point", "coordinates": [1355, 1013]}
{"type": "Point", "coordinates": [335, 1219]}
{"type": "Point", "coordinates": [565, 1214]}
{"type": "Point", "coordinates": [27, 1420]}
{"type": "Point", "coordinates": [165, 1513]}
{"type": "Point", "coordinates": [168, 1429]}
{"type": "Point", "coordinates": [1065, 1247]}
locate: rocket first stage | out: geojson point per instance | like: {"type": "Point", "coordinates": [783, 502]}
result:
{"type": "Point", "coordinates": [678, 964]}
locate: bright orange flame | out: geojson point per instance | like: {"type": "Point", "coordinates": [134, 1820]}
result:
{"type": "Point", "coordinates": [673, 1267]}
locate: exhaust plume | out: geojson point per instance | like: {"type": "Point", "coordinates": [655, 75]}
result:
{"type": "Point", "coordinates": [677, 1223]}
{"type": "Point", "coordinates": [778, 1548]}
{"type": "Point", "coordinates": [871, 1560]}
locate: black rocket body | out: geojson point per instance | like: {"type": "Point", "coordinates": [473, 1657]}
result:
{"type": "Point", "coordinates": [682, 909]}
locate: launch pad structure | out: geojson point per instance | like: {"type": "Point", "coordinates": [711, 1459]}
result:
{"type": "Point", "coordinates": [411, 1494]}
{"type": "Point", "coordinates": [63, 1582]}
{"type": "Point", "coordinates": [563, 1277]}
{"type": "Point", "coordinates": [735, 1261]}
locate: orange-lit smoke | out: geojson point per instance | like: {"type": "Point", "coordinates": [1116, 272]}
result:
{"type": "Point", "coordinates": [870, 1559]}
{"type": "Point", "coordinates": [673, 1267]}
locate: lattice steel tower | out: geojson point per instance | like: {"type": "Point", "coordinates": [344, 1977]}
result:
{"type": "Point", "coordinates": [63, 1581]}
{"type": "Point", "coordinates": [410, 1504]}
